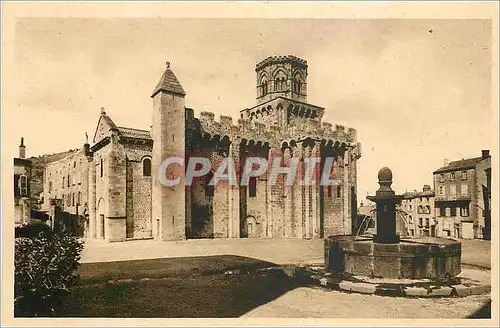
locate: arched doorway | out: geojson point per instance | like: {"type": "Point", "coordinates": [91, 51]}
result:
{"type": "Point", "coordinates": [252, 227]}
{"type": "Point", "coordinates": [101, 220]}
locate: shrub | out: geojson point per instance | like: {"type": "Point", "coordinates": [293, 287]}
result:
{"type": "Point", "coordinates": [45, 268]}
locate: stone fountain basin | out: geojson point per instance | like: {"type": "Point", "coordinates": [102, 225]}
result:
{"type": "Point", "coordinates": [412, 258]}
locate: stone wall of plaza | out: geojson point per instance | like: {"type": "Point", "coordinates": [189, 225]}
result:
{"type": "Point", "coordinates": [419, 212]}
{"type": "Point", "coordinates": [125, 199]}
{"type": "Point", "coordinates": [462, 194]}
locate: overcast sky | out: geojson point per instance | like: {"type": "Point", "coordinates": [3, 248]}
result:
{"type": "Point", "coordinates": [417, 91]}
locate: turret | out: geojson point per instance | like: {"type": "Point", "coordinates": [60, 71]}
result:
{"type": "Point", "coordinates": [169, 213]}
{"type": "Point", "coordinates": [281, 76]}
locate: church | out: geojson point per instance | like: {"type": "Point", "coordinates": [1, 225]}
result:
{"type": "Point", "coordinates": [112, 184]}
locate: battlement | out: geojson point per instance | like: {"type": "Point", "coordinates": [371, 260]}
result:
{"type": "Point", "coordinates": [281, 59]}
{"type": "Point", "coordinates": [327, 127]}
{"type": "Point", "coordinates": [353, 134]}
{"type": "Point", "coordinates": [189, 112]}
{"type": "Point", "coordinates": [247, 128]}
{"type": "Point", "coordinates": [322, 130]}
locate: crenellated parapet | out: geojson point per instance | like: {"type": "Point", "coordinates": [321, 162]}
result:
{"type": "Point", "coordinates": [280, 60]}
{"type": "Point", "coordinates": [249, 129]}
{"type": "Point", "coordinates": [322, 130]}
{"type": "Point", "coordinates": [244, 129]}
{"type": "Point", "coordinates": [254, 131]}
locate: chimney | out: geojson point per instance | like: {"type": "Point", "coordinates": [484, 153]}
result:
{"type": "Point", "coordinates": [446, 162]}
{"type": "Point", "coordinates": [86, 145]}
{"type": "Point", "coordinates": [485, 153]}
{"type": "Point", "coordinates": [22, 149]}
{"type": "Point", "coordinates": [426, 188]}
{"type": "Point", "coordinates": [86, 149]}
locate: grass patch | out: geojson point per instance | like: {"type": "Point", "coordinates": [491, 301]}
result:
{"type": "Point", "coordinates": [95, 273]}
{"type": "Point", "coordinates": [194, 287]}
{"type": "Point", "coordinates": [198, 296]}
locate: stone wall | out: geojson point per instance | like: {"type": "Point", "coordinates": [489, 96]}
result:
{"type": "Point", "coordinates": [139, 223]}
{"type": "Point", "coordinates": [67, 179]}
{"type": "Point", "coordinates": [480, 193]}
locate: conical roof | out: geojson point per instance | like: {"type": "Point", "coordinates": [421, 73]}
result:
{"type": "Point", "coordinates": [169, 83]}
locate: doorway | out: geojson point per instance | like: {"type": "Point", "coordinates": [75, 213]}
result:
{"type": "Point", "coordinates": [103, 225]}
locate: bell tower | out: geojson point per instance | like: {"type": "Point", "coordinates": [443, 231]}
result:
{"type": "Point", "coordinates": [284, 76]}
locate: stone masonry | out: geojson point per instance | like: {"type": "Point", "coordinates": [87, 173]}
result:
{"type": "Point", "coordinates": [125, 200]}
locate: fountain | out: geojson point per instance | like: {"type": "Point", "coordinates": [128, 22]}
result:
{"type": "Point", "coordinates": [386, 255]}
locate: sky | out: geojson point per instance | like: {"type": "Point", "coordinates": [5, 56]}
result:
{"type": "Point", "coordinates": [417, 91]}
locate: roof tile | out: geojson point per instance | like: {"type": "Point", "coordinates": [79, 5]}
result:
{"type": "Point", "coordinates": [460, 165]}
{"type": "Point", "coordinates": [169, 83]}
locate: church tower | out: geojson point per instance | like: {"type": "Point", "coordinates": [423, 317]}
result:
{"type": "Point", "coordinates": [284, 76]}
{"type": "Point", "coordinates": [168, 132]}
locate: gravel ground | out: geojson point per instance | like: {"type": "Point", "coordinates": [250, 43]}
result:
{"type": "Point", "coordinates": [279, 251]}
{"type": "Point", "coordinates": [287, 301]}
{"type": "Point", "coordinates": [319, 303]}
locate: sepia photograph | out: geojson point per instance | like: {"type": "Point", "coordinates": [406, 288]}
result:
{"type": "Point", "coordinates": [266, 162]}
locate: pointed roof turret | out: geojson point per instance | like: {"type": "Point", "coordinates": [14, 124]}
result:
{"type": "Point", "coordinates": [169, 83]}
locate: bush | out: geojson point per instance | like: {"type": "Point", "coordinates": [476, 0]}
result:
{"type": "Point", "coordinates": [45, 268]}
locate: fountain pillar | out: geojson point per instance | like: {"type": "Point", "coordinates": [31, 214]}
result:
{"type": "Point", "coordinates": [386, 200]}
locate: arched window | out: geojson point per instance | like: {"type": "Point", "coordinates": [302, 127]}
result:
{"type": "Point", "coordinates": [297, 84]}
{"type": "Point", "coordinates": [146, 167]}
{"type": "Point", "coordinates": [263, 86]}
{"type": "Point", "coordinates": [280, 81]}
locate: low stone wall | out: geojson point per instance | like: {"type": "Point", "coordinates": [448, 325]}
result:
{"type": "Point", "coordinates": [432, 258]}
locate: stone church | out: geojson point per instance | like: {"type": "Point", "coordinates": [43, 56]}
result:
{"type": "Point", "coordinates": [112, 184]}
